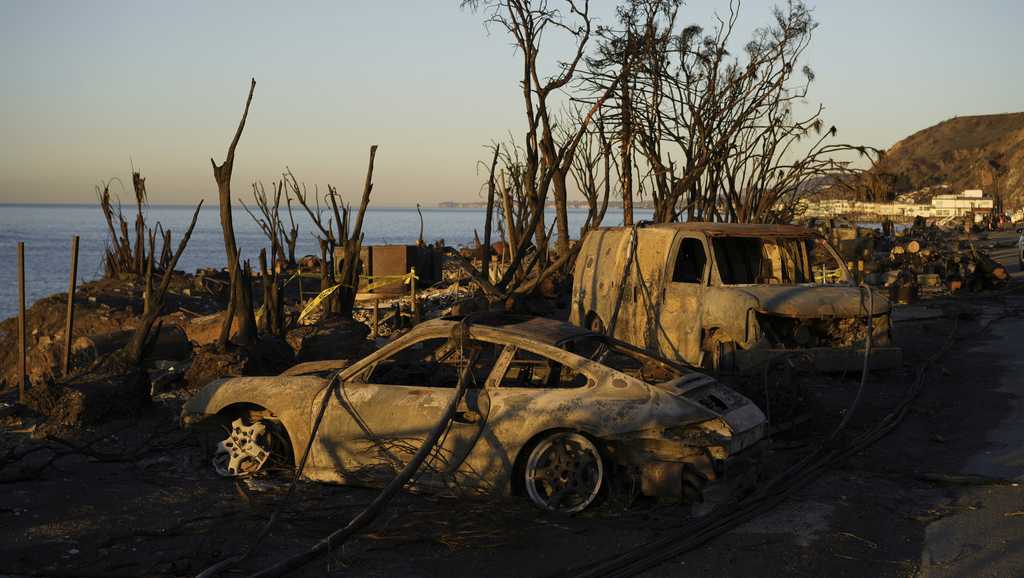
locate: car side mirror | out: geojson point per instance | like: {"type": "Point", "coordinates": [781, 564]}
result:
{"type": "Point", "coordinates": [1020, 230]}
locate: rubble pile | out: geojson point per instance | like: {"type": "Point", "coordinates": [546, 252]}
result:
{"type": "Point", "coordinates": [930, 259]}
{"type": "Point", "coordinates": [395, 312]}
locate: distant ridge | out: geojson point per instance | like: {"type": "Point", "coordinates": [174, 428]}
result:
{"type": "Point", "coordinates": [964, 152]}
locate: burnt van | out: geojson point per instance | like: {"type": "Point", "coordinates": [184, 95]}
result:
{"type": "Point", "coordinates": [729, 297]}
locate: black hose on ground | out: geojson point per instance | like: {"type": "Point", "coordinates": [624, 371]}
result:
{"type": "Point", "coordinates": [690, 536]}
{"type": "Point", "coordinates": [864, 370]}
{"type": "Point", "coordinates": [370, 513]}
{"type": "Point", "coordinates": [229, 562]}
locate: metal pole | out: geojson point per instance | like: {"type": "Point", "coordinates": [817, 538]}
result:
{"type": "Point", "coordinates": [21, 322]}
{"type": "Point", "coordinates": [70, 324]}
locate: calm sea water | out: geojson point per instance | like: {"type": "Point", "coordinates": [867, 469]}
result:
{"type": "Point", "coordinates": [47, 231]}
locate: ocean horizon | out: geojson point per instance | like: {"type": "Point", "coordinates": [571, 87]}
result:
{"type": "Point", "coordinates": [47, 230]}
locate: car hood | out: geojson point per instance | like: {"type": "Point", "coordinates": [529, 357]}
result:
{"type": "Point", "coordinates": [813, 301]}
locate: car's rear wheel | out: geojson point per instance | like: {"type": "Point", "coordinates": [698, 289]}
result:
{"type": "Point", "coordinates": [564, 472]}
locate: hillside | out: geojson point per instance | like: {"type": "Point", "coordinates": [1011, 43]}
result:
{"type": "Point", "coordinates": [966, 152]}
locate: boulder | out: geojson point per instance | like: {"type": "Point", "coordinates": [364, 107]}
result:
{"type": "Point", "coordinates": [205, 330]}
{"type": "Point", "coordinates": [92, 397]}
{"type": "Point", "coordinates": [267, 356]}
{"type": "Point", "coordinates": [333, 337]}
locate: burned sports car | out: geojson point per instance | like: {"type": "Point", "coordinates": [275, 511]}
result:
{"type": "Point", "coordinates": [551, 410]}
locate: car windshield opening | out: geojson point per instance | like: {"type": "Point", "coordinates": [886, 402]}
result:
{"type": "Point", "coordinates": [776, 261]}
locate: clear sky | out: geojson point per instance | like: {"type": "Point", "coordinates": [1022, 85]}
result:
{"type": "Point", "coordinates": [88, 84]}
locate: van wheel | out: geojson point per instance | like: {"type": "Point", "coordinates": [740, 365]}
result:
{"type": "Point", "coordinates": [719, 352]}
{"type": "Point", "coordinates": [693, 484]}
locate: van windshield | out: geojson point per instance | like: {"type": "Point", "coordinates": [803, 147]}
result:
{"type": "Point", "coordinates": [776, 261]}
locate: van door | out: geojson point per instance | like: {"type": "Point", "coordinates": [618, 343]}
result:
{"type": "Point", "coordinates": [681, 310]}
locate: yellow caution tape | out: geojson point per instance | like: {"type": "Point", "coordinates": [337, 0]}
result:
{"type": "Point", "coordinates": [378, 281]}
{"type": "Point", "coordinates": [315, 302]}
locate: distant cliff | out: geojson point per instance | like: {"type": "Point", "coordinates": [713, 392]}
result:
{"type": "Point", "coordinates": [965, 152]}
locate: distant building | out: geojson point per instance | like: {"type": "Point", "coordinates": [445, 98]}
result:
{"type": "Point", "coordinates": [969, 202]}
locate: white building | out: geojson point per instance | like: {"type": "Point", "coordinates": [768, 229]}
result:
{"type": "Point", "coordinates": [971, 201]}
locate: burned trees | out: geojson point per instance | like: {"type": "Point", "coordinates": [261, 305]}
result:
{"type": "Point", "coordinates": [543, 163]}
{"type": "Point", "coordinates": [269, 221]}
{"type": "Point", "coordinates": [348, 235]}
{"type": "Point", "coordinates": [154, 297]}
{"type": "Point", "coordinates": [546, 159]}
{"type": "Point", "coordinates": [125, 253]}
{"type": "Point", "coordinates": [719, 136]}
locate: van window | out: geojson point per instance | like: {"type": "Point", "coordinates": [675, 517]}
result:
{"type": "Point", "coordinates": [740, 260]}
{"type": "Point", "coordinates": [786, 261]}
{"type": "Point", "coordinates": [690, 261]}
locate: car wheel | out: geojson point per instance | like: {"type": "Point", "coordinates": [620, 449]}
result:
{"type": "Point", "coordinates": [693, 485]}
{"type": "Point", "coordinates": [719, 353]}
{"type": "Point", "coordinates": [564, 473]}
{"type": "Point", "coordinates": [246, 449]}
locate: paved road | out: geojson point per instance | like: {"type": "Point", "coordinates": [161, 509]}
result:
{"type": "Point", "coordinates": [941, 496]}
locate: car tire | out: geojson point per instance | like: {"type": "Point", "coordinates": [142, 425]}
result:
{"type": "Point", "coordinates": [564, 472]}
{"type": "Point", "coordinates": [719, 352]}
{"type": "Point", "coordinates": [693, 485]}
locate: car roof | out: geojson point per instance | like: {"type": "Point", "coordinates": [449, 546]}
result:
{"type": "Point", "coordinates": [734, 229]}
{"type": "Point", "coordinates": [540, 329]}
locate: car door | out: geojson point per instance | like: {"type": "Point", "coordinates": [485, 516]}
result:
{"type": "Point", "coordinates": [378, 420]}
{"type": "Point", "coordinates": [682, 301]}
{"type": "Point", "coordinates": [524, 387]}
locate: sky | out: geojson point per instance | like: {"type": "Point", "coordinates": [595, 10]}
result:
{"type": "Point", "coordinates": [90, 87]}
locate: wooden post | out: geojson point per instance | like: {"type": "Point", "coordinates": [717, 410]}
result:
{"type": "Point", "coordinates": [412, 291]}
{"type": "Point", "coordinates": [375, 324]}
{"type": "Point", "coordinates": [21, 322]}
{"type": "Point", "coordinates": [69, 325]}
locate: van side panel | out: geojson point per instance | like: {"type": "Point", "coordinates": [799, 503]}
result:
{"type": "Point", "coordinates": [597, 276]}
{"type": "Point", "coordinates": [647, 280]}
{"type": "Point", "coordinates": [601, 272]}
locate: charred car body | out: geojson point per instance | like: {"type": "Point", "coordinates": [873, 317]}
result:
{"type": "Point", "coordinates": [729, 296]}
{"type": "Point", "coordinates": [551, 411]}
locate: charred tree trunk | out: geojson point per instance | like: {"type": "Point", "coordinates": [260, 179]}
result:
{"type": "Point", "coordinates": [626, 140]}
{"type": "Point", "coordinates": [488, 221]}
{"type": "Point", "coordinates": [350, 268]}
{"type": "Point", "coordinates": [240, 288]}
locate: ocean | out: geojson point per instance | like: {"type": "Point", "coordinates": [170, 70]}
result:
{"type": "Point", "coordinates": [47, 230]}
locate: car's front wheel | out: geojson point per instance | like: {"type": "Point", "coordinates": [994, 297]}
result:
{"type": "Point", "coordinates": [252, 446]}
{"type": "Point", "coordinates": [564, 472]}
